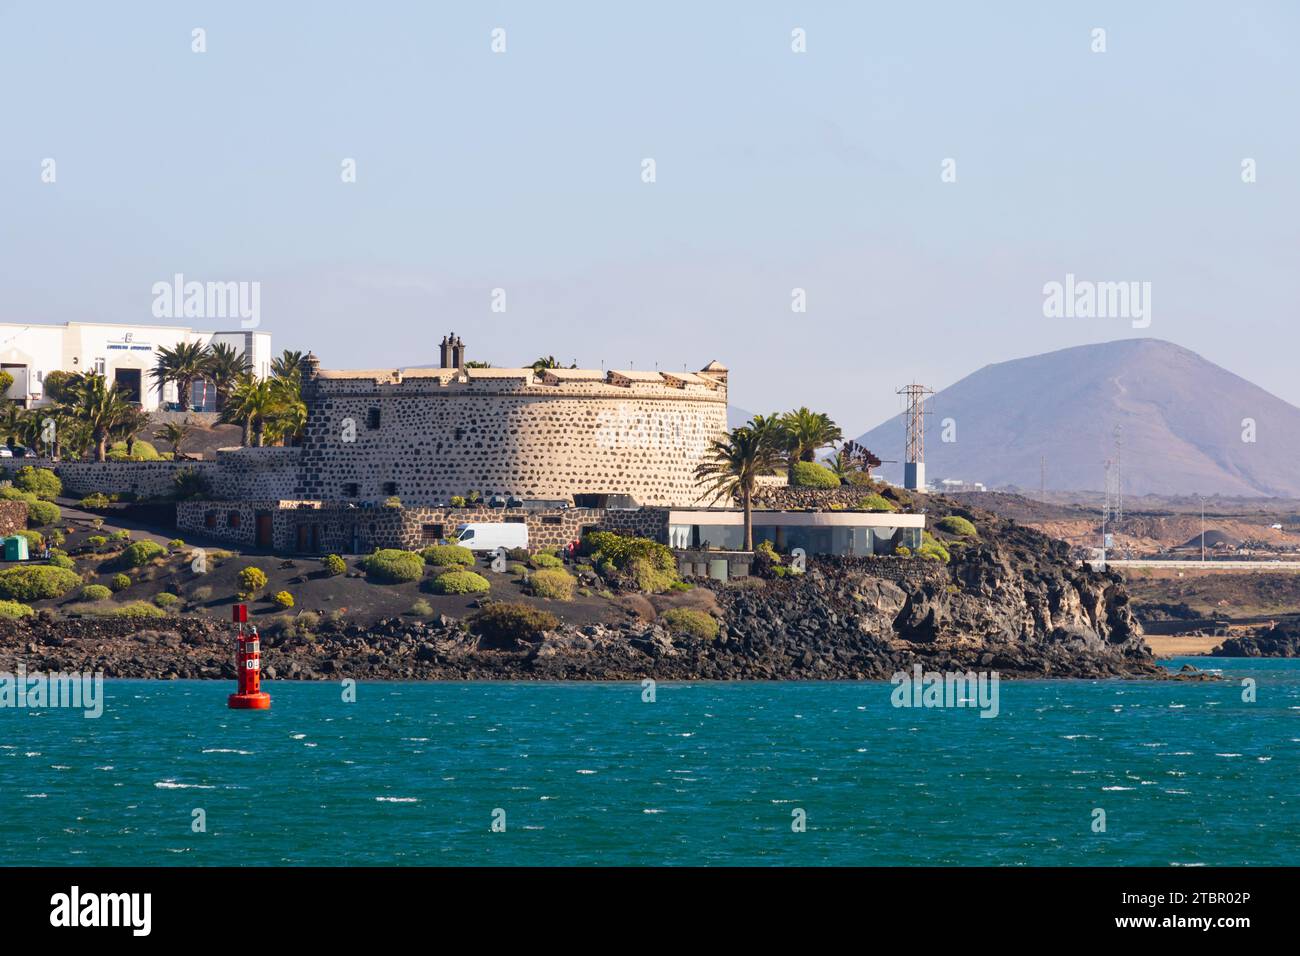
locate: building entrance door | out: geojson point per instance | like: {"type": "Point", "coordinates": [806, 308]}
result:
{"type": "Point", "coordinates": [265, 531]}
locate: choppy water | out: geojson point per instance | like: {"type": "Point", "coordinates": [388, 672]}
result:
{"type": "Point", "coordinates": [706, 774]}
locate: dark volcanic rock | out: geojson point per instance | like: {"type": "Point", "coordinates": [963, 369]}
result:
{"type": "Point", "coordinates": [1281, 640]}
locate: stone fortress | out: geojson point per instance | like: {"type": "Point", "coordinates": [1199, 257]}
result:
{"type": "Point", "coordinates": [389, 455]}
{"type": "Point", "coordinates": [424, 435]}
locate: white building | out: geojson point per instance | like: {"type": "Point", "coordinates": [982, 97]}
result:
{"type": "Point", "coordinates": [124, 354]}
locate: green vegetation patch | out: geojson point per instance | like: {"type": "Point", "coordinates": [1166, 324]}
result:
{"type": "Point", "coordinates": [37, 582]}
{"type": "Point", "coordinates": [460, 582]}
{"type": "Point", "coordinates": [448, 555]}
{"type": "Point", "coordinates": [505, 622]}
{"type": "Point", "coordinates": [685, 620]}
{"type": "Point", "coordinates": [809, 474]}
{"type": "Point", "coordinates": [391, 566]}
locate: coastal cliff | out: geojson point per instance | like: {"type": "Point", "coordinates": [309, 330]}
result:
{"type": "Point", "coordinates": [1009, 601]}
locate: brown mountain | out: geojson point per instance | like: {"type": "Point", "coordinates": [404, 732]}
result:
{"type": "Point", "coordinates": [1182, 420]}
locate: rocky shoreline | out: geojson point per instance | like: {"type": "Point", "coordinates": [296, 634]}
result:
{"type": "Point", "coordinates": [1010, 601]}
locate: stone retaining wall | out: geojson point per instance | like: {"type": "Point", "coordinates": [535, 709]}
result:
{"type": "Point", "coordinates": [313, 527]}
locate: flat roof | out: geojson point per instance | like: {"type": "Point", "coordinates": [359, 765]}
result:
{"type": "Point", "coordinates": [819, 519]}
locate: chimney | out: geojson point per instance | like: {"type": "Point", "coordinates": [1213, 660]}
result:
{"type": "Point", "coordinates": [457, 352]}
{"type": "Point", "coordinates": [444, 360]}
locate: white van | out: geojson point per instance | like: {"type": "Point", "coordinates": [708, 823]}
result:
{"type": "Point", "coordinates": [482, 536]}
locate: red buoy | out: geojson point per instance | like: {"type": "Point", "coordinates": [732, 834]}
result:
{"type": "Point", "coordinates": [248, 667]}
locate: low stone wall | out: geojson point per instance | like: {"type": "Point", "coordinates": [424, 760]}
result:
{"type": "Point", "coordinates": [316, 527]}
{"type": "Point", "coordinates": [144, 479]}
{"type": "Point", "coordinates": [256, 474]}
{"type": "Point", "coordinates": [785, 498]}
{"type": "Point", "coordinates": [13, 516]}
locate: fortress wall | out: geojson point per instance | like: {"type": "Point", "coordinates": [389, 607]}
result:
{"type": "Point", "coordinates": [505, 435]}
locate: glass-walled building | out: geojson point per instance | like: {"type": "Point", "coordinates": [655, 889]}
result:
{"type": "Point", "coordinates": [816, 532]}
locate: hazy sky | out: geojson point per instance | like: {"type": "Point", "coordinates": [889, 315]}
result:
{"type": "Point", "coordinates": [775, 170]}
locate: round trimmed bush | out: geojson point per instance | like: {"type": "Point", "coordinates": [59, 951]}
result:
{"type": "Point", "coordinates": [37, 582]}
{"type": "Point", "coordinates": [448, 555]}
{"type": "Point", "coordinates": [119, 582]}
{"type": "Point", "coordinates": [165, 600]}
{"type": "Point", "coordinates": [553, 583]}
{"type": "Point", "coordinates": [12, 610]}
{"type": "Point", "coordinates": [460, 582]}
{"type": "Point", "coordinates": [508, 622]}
{"type": "Point", "coordinates": [175, 544]}
{"type": "Point", "coordinates": [543, 560]}
{"type": "Point", "coordinates": [809, 474]}
{"type": "Point", "coordinates": [140, 553]}
{"type": "Point", "coordinates": [392, 566]}
{"type": "Point", "coordinates": [252, 579]}
{"type": "Point", "coordinates": [41, 482]}
{"type": "Point", "coordinates": [63, 561]}
{"type": "Point", "coordinates": [685, 620]}
{"type": "Point", "coordinates": [282, 599]}
{"type": "Point", "coordinates": [955, 524]}
{"type": "Point", "coordinates": [94, 592]}
{"type": "Point", "coordinates": [95, 500]}
{"type": "Point", "coordinates": [96, 541]}
{"type": "Point", "coordinates": [134, 611]}
{"type": "Point", "coordinates": [42, 514]}
{"type": "Point", "coordinates": [122, 535]}
{"type": "Point", "coordinates": [875, 502]}
{"type": "Point", "coordinates": [333, 565]}
{"type": "Point", "coordinates": [932, 550]}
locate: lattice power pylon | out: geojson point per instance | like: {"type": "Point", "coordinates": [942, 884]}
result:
{"type": "Point", "coordinates": [914, 460]}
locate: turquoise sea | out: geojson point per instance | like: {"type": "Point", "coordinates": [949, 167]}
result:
{"type": "Point", "coordinates": [1186, 773]}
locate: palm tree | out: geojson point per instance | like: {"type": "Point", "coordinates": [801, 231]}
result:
{"type": "Point", "coordinates": [288, 418]}
{"type": "Point", "coordinates": [288, 365]}
{"type": "Point", "coordinates": [250, 404]}
{"type": "Point", "coordinates": [184, 365]}
{"type": "Point", "coordinates": [11, 422]}
{"type": "Point", "coordinates": [224, 366]}
{"type": "Point", "coordinates": [91, 403]}
{"type": "Point", "coordinates": [734, 463]}
{"type": "Point", "coordinates": [548, 361]}
{"type": "Point", "coordinates": [805, 432]}
{"type": "Point", "coordinates": [175, 435]}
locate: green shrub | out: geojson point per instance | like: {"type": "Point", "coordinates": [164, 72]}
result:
{"type": "Point", "coordinates": [543, 560]}
{"type": "Point", "coordinates": [685, 620]}
{"type": "Point", "coordinates": [932, 550]}
{"type": "Point", "coordinates": [517, 554]}
{"type": "Point", "coordinates": [422, 608]}
{"type": "Point", "coordinates": [12, 610]}
{"type": "Point", "coordinates": [37, 582]}
{"type": "Point", "coordinates": [175, 544]}
{"type": "Point", "coordinates": [457, 501]}
{"type": "Point", "coordinates": [809, 474]}
{"type": "Point", "coordinates": [252, 579]}
{"type": "Point", "coordinates": [140, 553]}
{"type": "Point", "coordinates": [392, 501]}
{"type": "Point", "coordinates": [121, 535]}
{"type": "Point", "coordinates": [96, 541]}
{"type": "Point", "coordinates": [41, 482]}
{"type": "Point", "coordinates": [140, 451]}
{"type": "Point", "coordinates": [307, 621]}
{"type": "Point", "coordinates": [63, 561]}
{"type": "Point", "coordinates": [41, 514]}
{"type": "Point", "coordinates": [119, 582]}
{"type": "Point", "coordinates": [165, 600]}
{"type": "Point", "coordinates": [903, 551]}
{"type": "Point", "coordinates": [391, 566]}
{"type": "Point", "coordinates": [190, 483]}
{"type": "Point", "coordinates": [134, 611]}
{"type": "Point", "coordinates": [448, 555]}
{"type": "Point", "coordinates": [94, 592]}
{"type": "Point", "coordinates": [35, 540]}
{"type": "Point", "coordinates": [460, 582]}
{"type": "Point", "coordinates": [10, 493]}
{"type": "Point", "coordinates": [650, 565]}
{"type": "Point", "coordinates": [553, 583]}
{"type": "Point", "coordinates": [96, 500]}
{"type": "Point", "coordinates": [282, 599]}
{"type": "Point", "coordinates": [875, 502]}
{"type": "Point", "coordinates": [333, 565]}
{"type": "Point", "coordinates": [954, 524]}
{"type": "Point", "coordinates": [201, 595]}
{"type": "Point", "coordinates": [506, 622]}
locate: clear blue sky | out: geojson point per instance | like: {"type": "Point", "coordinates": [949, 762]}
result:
{"type": "Point", "coordinates": [775, 171]}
